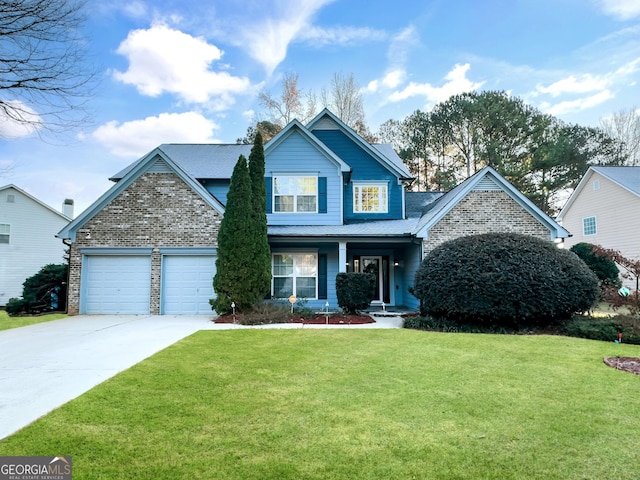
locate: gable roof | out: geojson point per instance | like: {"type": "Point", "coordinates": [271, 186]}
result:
{"type": "Point", "coordinates": [201, 161]}
{"type": "Point", "coordinates": [295, 125]}
{"type": "Point", "coordinates": [31, 197]}
{"type": "Point", "coordinates": [627, 178]}
{"type": "Point", "coordinates": [382, 152]}
{"type": "Point", "coordinates": [489, 179]}
{"type": "Point", "coordinates": [146, 163]}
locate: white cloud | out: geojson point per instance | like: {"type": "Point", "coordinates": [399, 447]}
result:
{"type": "Point", "coordinates": [391, 79]}
{"type": "Point", "coordinates": [135, 9]}
{"type": "Point", "coordinates": [267, 41]}
{"type": "Point", "coordinates": [570, 106]}
{"type": "Point", "coordinates": [135, 138]}
{"type": "Point", "coordinates": [620, 9]}
{"type": "Point", "coordinates": [162, 59]}
{"type": "Point", "coordinates": [340, 35]}
{"type": "Point", "coordinates": [572, 84]}
{"type": "Point", "coordinates": [23, 121]}
{"type": "Point", "coordinates": [456, 82]}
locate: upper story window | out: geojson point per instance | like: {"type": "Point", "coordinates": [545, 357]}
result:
{"type": "Point", "coordinates": [596, 185]}
{"type": "Point", "coordinates": [295, 194]}
{"type": "Point", "coordinates": [370, 197]}
{"type": "Point", "coordinates": [589, 226]}
{"type": "Point", "coordinates": [5, 232]}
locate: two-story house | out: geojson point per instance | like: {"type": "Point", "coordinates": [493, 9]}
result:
{"type": "Point", "coordinates": [335, 203]}
{"type": "Point", "coordinates": [27, 238]}
{"type": "Point", "coordinates": [604, 210]}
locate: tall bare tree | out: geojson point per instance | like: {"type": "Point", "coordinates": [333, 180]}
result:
{"type": "Point", "coordinates": [344, 99]}
{"type": "Point", "coordinates": [291, 103]}
{"type": "Point", "coordinates": [625, 127]}
{"type": "Point", "coordinates": [44, 75]}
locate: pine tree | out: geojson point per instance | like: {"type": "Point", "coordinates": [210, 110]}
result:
{"type": "Point", "coordinates": [236, 263]}
{"type": "Point", "coordinates": [261, 276]}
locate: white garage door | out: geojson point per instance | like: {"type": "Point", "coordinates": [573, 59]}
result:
{"type": "Point", "coordinates": [187, 284]}
{"type": "Point", "coordinates": [116, 284]}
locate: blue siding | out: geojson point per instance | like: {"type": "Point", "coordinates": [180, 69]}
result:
{"type": "Point", "coordinates": [219, 189]}
{"type": "Point", "coordinates": [364, 167]}
{"type": "Point", "coordinates": [295, 155]}
{"type": "Point", "coordinates": [413, 258]}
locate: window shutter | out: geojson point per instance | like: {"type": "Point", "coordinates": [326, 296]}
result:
{"type": "Point", "coordinates": [322, 194]}
{"type": "Point", "coordinates": [268, 181]}
{"type": "Point", "coordinates": [322, 276]}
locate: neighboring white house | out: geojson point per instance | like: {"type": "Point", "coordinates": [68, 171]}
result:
{"type": "Point", "coordinates": [27, 238]}
{"type": "Point", "coordinates": [604, 209]}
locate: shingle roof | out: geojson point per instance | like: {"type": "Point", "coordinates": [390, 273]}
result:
{"type": "Point", "coordinates": [217, 160]}
{"type": "Point", "coordinates": [381, 228]}
{"type": "Point", "coordinates": [627, 177]}
{"type": "Point", "coordinates": [387, 150]}
{"type": "Point", "coordinates": [419, 203]}
{"type": "Point", "coordinates": [200, 160]}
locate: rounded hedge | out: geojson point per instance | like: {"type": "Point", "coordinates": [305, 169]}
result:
{"type": "Point", "coordinates": [504, 279]}
{"type": "Point", "coordinates": [604, 268]}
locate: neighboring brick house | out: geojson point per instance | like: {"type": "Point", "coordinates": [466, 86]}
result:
{"type": "Point", "coordinates": [335, 203]}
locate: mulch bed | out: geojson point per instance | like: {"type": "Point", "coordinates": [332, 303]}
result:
{"type": "Point", "coordinates": [319, 320]}
{"type": "Point", "coordinates": [626, 364]}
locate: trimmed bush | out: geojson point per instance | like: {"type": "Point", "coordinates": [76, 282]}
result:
{"type": "Point", "coordinates": [42, 292]}
{"type": "Point", "coordinates": [16, 306]}
{"type": "Point", "coordinates": [355, 290]}
{"type": "Point", "coordinates": [604, 328]}
{"type": "Point", "coordinates": [604, 268]}
{"type": "Point", "coordinates": [504, 280]}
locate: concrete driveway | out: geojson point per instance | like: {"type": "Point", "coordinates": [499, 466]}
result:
{"type": "Point", "coordinates": [45, 365]}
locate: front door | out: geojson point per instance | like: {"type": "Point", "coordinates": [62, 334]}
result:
{"type": "Point", "coordinates": [374, 265]}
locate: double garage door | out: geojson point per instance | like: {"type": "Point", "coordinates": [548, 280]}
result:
{"type": "Point", "coordinates": [121, 284]}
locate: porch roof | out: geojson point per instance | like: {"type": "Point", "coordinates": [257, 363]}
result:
{"type": "Point", "coordinates": [382, 228]}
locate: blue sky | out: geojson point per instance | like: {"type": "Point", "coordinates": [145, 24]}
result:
{"type": "Point", "coordinates": [190, 71]}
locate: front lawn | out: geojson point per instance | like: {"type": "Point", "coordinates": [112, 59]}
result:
{"type": "Point", "coordinates": [7, 322]}
{"type": "Point", "coordinates": [354, 404]}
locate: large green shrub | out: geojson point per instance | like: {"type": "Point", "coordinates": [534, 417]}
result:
{"type": "Point", "coordinates": [504, 279]}
{"type": "Point", "coordinates": [604, 268]}
{"type": "Point", "coordinates": [44, 291]}
{"type": "Point", "coordinates": [355, 290]}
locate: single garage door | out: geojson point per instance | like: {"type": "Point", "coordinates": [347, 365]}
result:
{"type": "Point", "coordinates": [116, 284]}
{"type": "Point", "coordinates": [187, 283]}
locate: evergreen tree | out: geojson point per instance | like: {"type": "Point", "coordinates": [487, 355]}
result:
{"type": "Point", "coordinates": [261, 275]}
{"type": "Point", "coordinates": [235, 262]}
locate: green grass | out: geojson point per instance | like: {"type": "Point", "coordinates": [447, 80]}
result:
{"type": "Point", "coordinates": [354, 404]}
{"type": "Point", "coordinates": [7, 322]}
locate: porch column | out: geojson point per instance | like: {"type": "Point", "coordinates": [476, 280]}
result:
{"type": "Point", "coordinates": [342, 256]}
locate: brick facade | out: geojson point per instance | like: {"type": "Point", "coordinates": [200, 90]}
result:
{"type": "Point", "coordinates": [484, 212]}
{"type": "Point", "coordinates": [158, 210]}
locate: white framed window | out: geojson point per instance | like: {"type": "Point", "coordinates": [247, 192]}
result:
{"type": "Point", "coordinates": [295, 274]}
{"type": "Point", "coordinates": [5, 233]}
{"type": "Point", "coordinates": [295, 194]}
{"type": "Point", "coordinates": [370, 197]}
{"type": "Point", "coordinates": [589, 226]}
